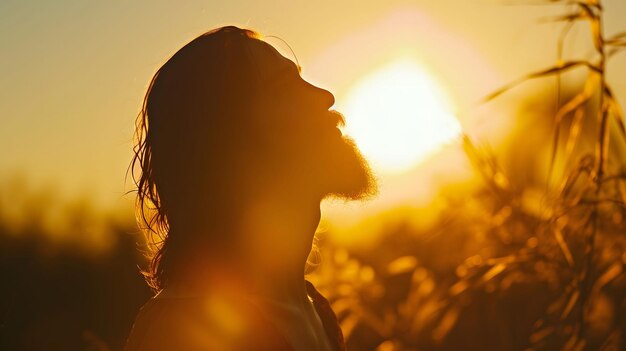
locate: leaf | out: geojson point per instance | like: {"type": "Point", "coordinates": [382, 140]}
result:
{"type": "Point", "coordinates": [576, 102]}
{"type": "Point", "coordinates": [402, 265]}
{"type": "Point", "coordinates": [616, 108]}
{"type": "Point", "coordinates": [614, 51]}
{"type": "Point", "coordinates": [574, 343]}
{"type": "Point", "coordinates": [574, 132]}
{"type": "Point", "coordinates": [504, 260]}
{"type": "Point", "coordinates": [459, 287]}
{"type": "Point", "coordinates": [563, 246]}
{"type": "Point", "coordinates": [445, 325]}
{"type": "Point", "coordinates": [386, 345]}
{"type": "Point", "coordinates": [583, 167]}
{"type": "Point", "coordinates": [541, 334]}
{"type": "Point", "coordinates": [611, 273]}
{"type": "Point", "coordinates": [570, 304]}
{"type": "Point", "coordinates": [557, 304]}
{"type": "Point", "coordinates": [615, 42]}
{"type": "Point", "coordinates": [617, 36]}
{"type": "Point", "coordinates": [493, 271]}
{"type": "Point", "coordinates": [559, 68]}
{"type": "Point", "coordinates": [566, 18]}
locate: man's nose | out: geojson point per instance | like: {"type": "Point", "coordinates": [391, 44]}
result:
{"type": "Point", "coordinates": [325, 97]}
{"type": "Point", "coordinates": [329, 97]}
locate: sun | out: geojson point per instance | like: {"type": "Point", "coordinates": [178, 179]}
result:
{"type": "Point", "coordinates": [398, 116]}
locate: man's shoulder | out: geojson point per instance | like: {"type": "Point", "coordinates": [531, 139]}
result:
{"type": "Point", "coordinates": [203, 324]}
{"type": "Point", "coordinates": [169, 324]}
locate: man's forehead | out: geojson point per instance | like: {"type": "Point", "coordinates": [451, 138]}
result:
{"type": "Point", "coordinates": [269, 62]}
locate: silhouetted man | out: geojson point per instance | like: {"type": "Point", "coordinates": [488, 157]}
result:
{"type": "Point", "coordinates": [235, 152]}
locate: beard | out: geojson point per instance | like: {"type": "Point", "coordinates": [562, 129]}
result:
{"type": "Point", "coordinates": [336, 166]}
{"type": "Point", "coordinates": [344, 172]}
{"type": "Point", "coordinates": [316, 157]}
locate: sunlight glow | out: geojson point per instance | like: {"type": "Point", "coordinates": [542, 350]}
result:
{"type": "Point", "coordinates": [399, 115]}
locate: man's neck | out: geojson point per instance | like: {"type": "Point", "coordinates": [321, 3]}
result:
{"type": "Point", "coordinates": [278, 232]}
{"type": "Point", "coordinates": [275, 234]}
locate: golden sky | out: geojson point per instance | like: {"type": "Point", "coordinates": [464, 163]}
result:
{"type": "Point", "coordinates": [73, 73]}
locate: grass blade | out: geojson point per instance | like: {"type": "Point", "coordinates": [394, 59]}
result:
{"type": "Point", "coordinates": [619, 35]}
{"type": "Point", "coordinates": [570, 304]}
{"type": "Point", "coordinates": [566, 18]}
{"type": "Point", "coordinates": [614, 271]}
{"type": "Point", "coordinates": [574, 104]}
{"type": "Point", "coordinates": [574, 131]}
{"type": "Point", "coordinates": [615, 107]}
{"type": "Point", "coordinates": [558, 235]}
{"type": "Point", "coordinates": [494, 271]}
{"type": "Point", "coordinates": [559, 68]}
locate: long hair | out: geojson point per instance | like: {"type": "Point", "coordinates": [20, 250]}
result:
{"type": "Point", "coordinates": [187, 146]}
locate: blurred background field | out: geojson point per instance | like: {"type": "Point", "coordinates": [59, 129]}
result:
{"type": "Point", "coordinates": [483, 238]}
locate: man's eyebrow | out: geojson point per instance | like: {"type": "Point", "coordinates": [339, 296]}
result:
{"type": "Point", "coordinates": [288, 69]}
{"type": "Point", "coordinates": [296, 66]}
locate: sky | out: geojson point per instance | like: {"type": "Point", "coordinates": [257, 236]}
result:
{"type": "Point", "coordinates": [73, 73]}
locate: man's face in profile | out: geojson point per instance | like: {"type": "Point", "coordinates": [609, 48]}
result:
{"type": "Point", "coordinates": [307, 132]}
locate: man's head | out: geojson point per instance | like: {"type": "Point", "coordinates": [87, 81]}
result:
{"type": "Point", "coordinates": [228, 118]}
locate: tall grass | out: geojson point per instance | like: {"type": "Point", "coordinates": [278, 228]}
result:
{"type": "Point", "coordinates": [547, 271]}
{"type": "Point", "coordinates": [590, 196]}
